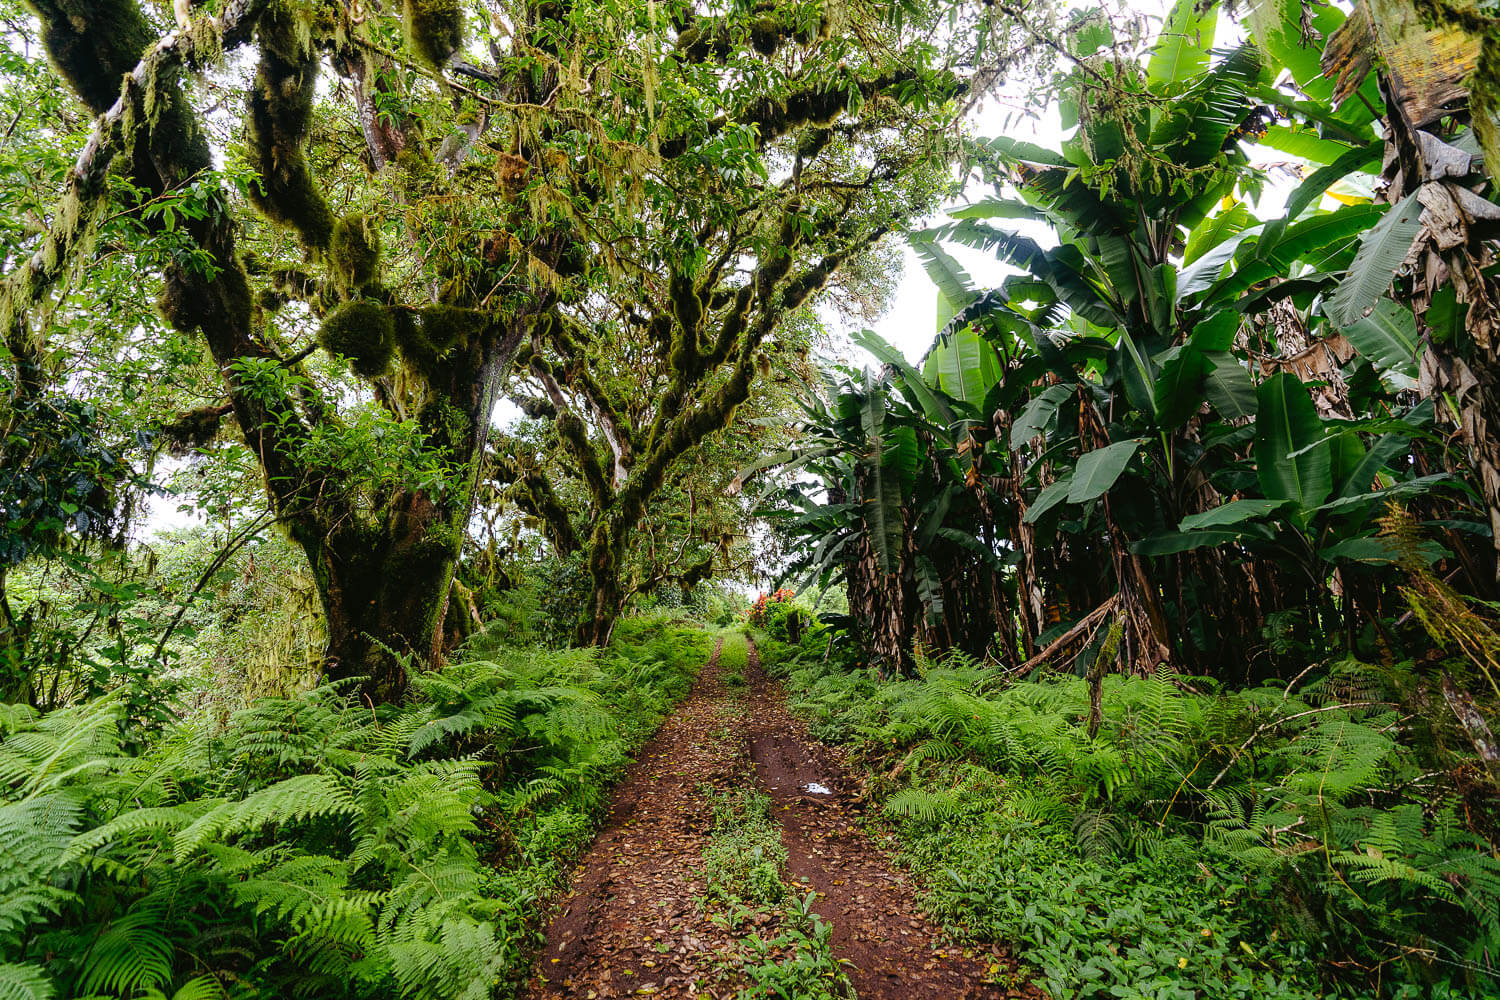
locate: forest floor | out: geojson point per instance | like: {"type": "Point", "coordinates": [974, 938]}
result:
{"type": "Point", "coordinates": [641, 919]}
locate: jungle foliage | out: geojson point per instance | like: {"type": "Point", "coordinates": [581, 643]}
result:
{"type": "Point", "coordinates": [1172, 432]}
{"type": "Point", "coordinates": [1311, 838]}
{"type": "Point", "coordinates": [310, 847]}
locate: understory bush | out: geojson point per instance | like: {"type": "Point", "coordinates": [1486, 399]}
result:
{"type": "Point", "coordinates": [1275, 842]}
{"type": "Point", "coordinates": [313, 846]}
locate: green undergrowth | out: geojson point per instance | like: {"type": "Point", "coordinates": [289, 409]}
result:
{"type": "Point", "coordinates": [734, 656]}
{"type": "Point", "coordinates": [785, 948]}
{"type": "Point", "coordinates": [1268, 843]}
{"type": "Point", "coordinates": [312, 846]}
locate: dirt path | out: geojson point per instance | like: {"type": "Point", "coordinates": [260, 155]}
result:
{"type": "Point", "coordinates": [634, 925]}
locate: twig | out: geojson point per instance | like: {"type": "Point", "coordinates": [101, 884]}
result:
{"type": "Point", "coordinates": [1071, 634]}
{"type": "Point", "coordinates": [1274, 723]}
{"type": "Point", "coordinates": [230, 548]}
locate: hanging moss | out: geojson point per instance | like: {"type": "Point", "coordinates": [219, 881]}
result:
{"type": "Point", "coordinates": [811, 143]}
{"type": "Point", "coordinates": [434, 29]}
{"type": "Point", "coordinates": [193, 430]}
{"type": "Point", "coordinates": [362, 331]}
{"type": "Point", "coordinates": [279, 122]}
{"type": "Point", "coordinates": [87, 38]}
{"type": "Point", "coordinates": [447, 327]}
{"type": "Point", "coordinates": [354, 254]}
{"type": "Point", "coordinates": [820, 107]}
{"type": "Point", "coordinates": [177, 303]}
{"type": "Point", "coordinates": [765, 35]}
{"type": "Point", "coordinates": [426, 336]}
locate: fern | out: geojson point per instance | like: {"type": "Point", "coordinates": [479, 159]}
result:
{"type": "Point", "coordinates": [25, 982]}
{"type": "Point", "coordinates": [923, 805]}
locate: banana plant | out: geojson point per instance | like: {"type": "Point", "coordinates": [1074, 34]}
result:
{"type": "Point", "coordinates": [1133, 347]}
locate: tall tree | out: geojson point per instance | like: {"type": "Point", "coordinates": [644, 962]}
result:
{"type": "Point", "coordinates": [652, 178]}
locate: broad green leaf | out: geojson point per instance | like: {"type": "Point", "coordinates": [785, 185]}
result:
{"type": "Point", "coordinates": [1304, 142]}
{"type": "Point", "coordinates": [1181, 50]}
{"type": "Point", "coordinates": [965, 367]}
{"type": "Point", "coordinates": [955, 287]}
{"type": "Point", "coordinates": [1320, 180]}
{"type": "Point", "coordinates": [929, 587]}
{"type": "Point", "coordinates": [913, 383]}
{"type": "Point", "coordinates": [1215, 335]}
{"type": "Point", "coordinates": [1381, 252]}
{"type": "Point", "coordinates": [1387, 336]}
{"type": "Point", "coordinates": [1213, 231]}
{"type": "Point", "coordinates": [1396, 491]}
{"type": "Point", "coordinates": [1378, 550]}
{"type": "Point", "coordinates": [1038, 414]}
{"type": "Point", "coordinates": [1204, 271]}
{"type": "Point", "coordinates": [1050, 497]}
{"type": "Point", "coordinates": [1287, 421]}
{"type": "Point", "coordinates": [1098, 470]}
{"type": "Point", "coordinates": [1234, 512]}
{"type": "Point", "coordinates": [1305, 239]}
{"type": "Point", "coordinates": [974, 545]}
{"type": "Point", "coordinates": [1228, 387]}
{"type": "Point", "coordinates": [1179, 387]}
{"type": "Point", "coordinates": [998, 208]}
{"type": "Point", "coordinates": [1029, 153]}
{"type": "Point", "coordinates": [902, 456]}
{"type": "Point", "coordinates": [1167, 543]}
{"type": "Point", "coordinates": [1139, 375]}
{"type": "Point", "coordinates": [882, 516]}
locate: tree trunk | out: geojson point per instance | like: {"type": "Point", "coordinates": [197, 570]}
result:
{"type": "Point", "coordinates": [606, 552]}
{"type": "Point", "coordinates": [383, 592]}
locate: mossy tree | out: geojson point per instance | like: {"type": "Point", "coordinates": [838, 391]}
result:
{"type": "Point", "coordinates": [643, 191]}
{"type": "Point", "coordinates": [790, 139]}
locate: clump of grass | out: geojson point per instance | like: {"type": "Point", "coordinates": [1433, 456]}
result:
{"type": "Point", "coordinates": [744, 858]}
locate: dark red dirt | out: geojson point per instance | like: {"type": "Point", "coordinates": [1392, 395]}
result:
{"type": "Point", "coordinates": [891, 949]}
{"type": "Point", "coordinates": [635, 923]}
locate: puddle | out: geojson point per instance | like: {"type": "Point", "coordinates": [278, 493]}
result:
{"type": "Point", "coordinates": [817, 789]}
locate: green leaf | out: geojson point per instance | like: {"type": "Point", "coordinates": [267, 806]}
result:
{"type": "Point", "coordinates": [1028, 153]}
{"type": "Point", "coordinates": [1387, 336]}
{"type": "Point", "coordinates": [1381, 252]}
{"type": "Point", "coordinates": [1305, 239]}
{"type": "Point", "coordinates": [1181, 50]}
{"type": "Point", "coordinates": [998, 208]}
{"type": "Point", "coordinates": [882, 517]}
{"type": "Point", "coordinates": [1050, 497]}
{"type": "Point", "coordinates": [1396, 491]}
{"type": "Point", "coordinates": [25, 982]}
{"type": "Point", "coordinates": [1098, 470]}
{"type": "Point", "coordinates": [929, 587]}
{"type": "Point", "coordinates": [1213, 231]}
{"type": "Point", "coordinates": [902, 456]}
{"type": "Point", "coordinates": [1203, 272]}
{"type": "Point", "coordinates": [1386, 449]}
{"type": "Point", "coordinates": [1377, 550]}
{"type": "Point", "coordinates": [965, 366]}
{"type": "Point", "coordinates": [1038, 414]}
{"type": "Point", "coordinates": [913, 383]}
{"type": "Point", "coordinates": [1179, 388]}
{"type": "Point", "coordinates": [1286, 422]}
{"type": "Point", "coordinates": [1304, 142]}
{"type": "Point", "coordinates": [1167, 543]}
{"type": "Point", "coordinates": [1139, 375]}
{"type": "Point", "coordinates": [1228, 387]}
{"type": "Point", "coordinates": [955, 287]}
{"type": "Point", "coordinates": [1234, 512]}
{"type": "Point", "coordinates": [1312, 189]}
